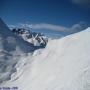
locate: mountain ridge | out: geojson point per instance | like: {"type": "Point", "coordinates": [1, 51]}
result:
{"type": "Point", "coordinates": [61, 66]}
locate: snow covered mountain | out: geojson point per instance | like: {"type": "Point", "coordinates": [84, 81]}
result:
{"type": "Point", "coordinates": [63, 65]}
{"type": "Point", "coordinates": [37, 39]}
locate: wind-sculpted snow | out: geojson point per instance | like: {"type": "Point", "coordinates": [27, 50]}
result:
{"type": "Point", "coordinates": [63, 65]}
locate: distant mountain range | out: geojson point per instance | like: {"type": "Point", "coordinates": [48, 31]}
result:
{"type": "Point", "coordinates": [37, 39]}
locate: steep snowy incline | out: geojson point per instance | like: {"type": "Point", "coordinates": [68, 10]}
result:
{"type": "Point", "coordinates": [63, 65]}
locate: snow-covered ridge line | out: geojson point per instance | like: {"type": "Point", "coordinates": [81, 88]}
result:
{"type": "Point", "coordinates": [63, 65]}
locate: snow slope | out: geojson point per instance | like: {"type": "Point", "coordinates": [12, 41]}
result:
{"type": "Point", "coordinates": [63, 65]}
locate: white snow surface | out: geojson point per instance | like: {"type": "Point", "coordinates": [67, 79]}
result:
{"type": "Point", "coordinates": [63, 65]}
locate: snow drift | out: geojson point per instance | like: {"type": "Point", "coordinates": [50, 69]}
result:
{"type": "Point", "coordinates": [63, 65]}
